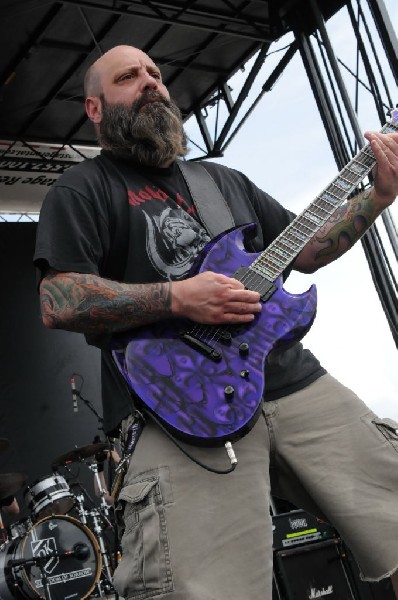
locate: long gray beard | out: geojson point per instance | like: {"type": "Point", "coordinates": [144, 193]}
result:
{"type": "Point", "coordinates": [151, 134]}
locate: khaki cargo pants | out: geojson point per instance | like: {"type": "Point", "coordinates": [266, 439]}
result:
{"type": "Point", "coordinates": [189, 534]}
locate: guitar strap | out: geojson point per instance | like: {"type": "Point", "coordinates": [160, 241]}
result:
{"type": "Point", "coordinates": [210, 204]}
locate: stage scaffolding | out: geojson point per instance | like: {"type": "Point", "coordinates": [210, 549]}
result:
{"type": "Point", "coordinates": [215, 121]}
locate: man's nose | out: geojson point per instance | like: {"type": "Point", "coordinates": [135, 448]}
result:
{"type": "Point", "coordinates": [149, 82]}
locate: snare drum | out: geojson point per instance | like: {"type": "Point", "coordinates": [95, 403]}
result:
{"type": "Point", "coordinates": [49, 496]}
{"type": "Point", "coordinates": [62, 547]}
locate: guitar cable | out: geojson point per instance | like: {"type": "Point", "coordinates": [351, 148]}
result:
{"type": "Point", "coordinates": [228, 446]}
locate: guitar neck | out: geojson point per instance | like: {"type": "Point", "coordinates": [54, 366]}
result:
{"type": "Point", "coordinates": [271, 263]}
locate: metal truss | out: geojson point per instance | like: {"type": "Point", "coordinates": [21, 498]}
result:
{"type": "Point", "coordinates": [339, 112]}
{"type": "Point", "coordinates": [219, 117]}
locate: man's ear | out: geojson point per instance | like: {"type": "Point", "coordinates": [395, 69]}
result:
{"type": "Point", "coordinates": [94, 109]}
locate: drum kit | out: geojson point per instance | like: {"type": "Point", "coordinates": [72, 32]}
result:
{"type": "Point", "coordinates": [62, 550]}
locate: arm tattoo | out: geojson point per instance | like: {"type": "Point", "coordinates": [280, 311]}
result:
{"type": "Point", "coordinates": [91, 304]}
{"type": "Point", "coordinates": [350, 223]}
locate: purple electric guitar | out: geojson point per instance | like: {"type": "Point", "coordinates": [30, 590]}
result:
{"type": "Point", "coordinates": [205, 383]}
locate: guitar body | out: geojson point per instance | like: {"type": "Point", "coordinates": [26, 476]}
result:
{"type": "Point", "coordinates": [204, 401]}
{"type": "Point", "coordinates": [205, 384]}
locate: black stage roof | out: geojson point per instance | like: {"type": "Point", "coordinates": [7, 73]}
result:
{"type": "Point", "coordinates": [46, 46]}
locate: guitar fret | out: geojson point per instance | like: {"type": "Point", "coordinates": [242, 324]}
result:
{"type": "Point", "coordinates": [330, 199]}
{"type": "Point", "coordinates": [288, 245]}
{"type": "Point", "coordinates": [351, 177]}
{"type": "Point", "coordinates": [312, 217]}
{"type": "Point", "coordinates": [364, 164]}
{"type": "Point", "coordinates": [343, 183]}
{"type": "Point", "coordinates": [262, 270]}
{"type": "Point", "coordinates": [357, 170]}
{"type": "Point", "coordinates": [282, 252]}
{"type": "Point", "coordinates": [328, 212]}
{"type": "Point", "coordinates": [311, 229]}
{"type": "Point", "coordinates": [284, 243]}
{"type": "Point", "coordinates": [340, 192]}
{"type": "Point", "coordinates": [292, 241]}
{"type": "Point", "coordinates": [298, 234]}
{"type": "Point", "coordinates": [369, 156]}
{"type": "Point", "coordinates": [276, 259]}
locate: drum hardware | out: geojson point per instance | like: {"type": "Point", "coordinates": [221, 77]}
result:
{"type": "Point", "coordinates": [80, 508]}
{"type": "Point", "coordinates": [95, 518]}
{"type": "Point", "coordinates": [98, 531]}
{"type": "Point", "coordinates": [19, 528]}
{"type": "Point", "coordinates": [79, 454]}
{"type": "Point", "coordinates": [93, 466]}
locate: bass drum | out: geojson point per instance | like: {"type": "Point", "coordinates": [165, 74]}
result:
{"type": "Point", "coordinates": [62, 548]}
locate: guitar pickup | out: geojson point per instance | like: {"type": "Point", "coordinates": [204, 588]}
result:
{"type": "Point", "coordinates": [201, 347]}
{"type": "Point", "coordinates": [255, 282]}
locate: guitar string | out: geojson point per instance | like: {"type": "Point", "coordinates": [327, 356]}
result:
{"type": "Point", "coordinates": [365, 158]}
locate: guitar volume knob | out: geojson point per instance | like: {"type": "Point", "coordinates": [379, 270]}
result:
{"type": "Point", "coordinates": [229, 392]}
{"type": "Point", "coordinates": [244, 349]}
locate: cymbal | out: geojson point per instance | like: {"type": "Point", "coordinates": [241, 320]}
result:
{"type": "Point", "coordinates": [10, 483]}
{"type": "Point", "coordinates": [4, 443]}
{"type": "Point", "coordinates": [79, 454]}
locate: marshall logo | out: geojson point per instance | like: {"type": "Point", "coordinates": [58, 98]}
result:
{"type": "Point", "coordinates": [314, 593]}
{"type": "Point", "coordinates": [298, 523]}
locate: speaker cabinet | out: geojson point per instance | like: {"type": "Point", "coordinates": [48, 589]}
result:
{"type": "Point", "coordinates": [312, 572]}
{"type": "Point", "coordinates": [366, 590]}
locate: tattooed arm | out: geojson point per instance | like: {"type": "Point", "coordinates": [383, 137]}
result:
{"type": "Point", "coordinates": [350, 222]}
{"type": "Point", "coordinates": [91, 304]}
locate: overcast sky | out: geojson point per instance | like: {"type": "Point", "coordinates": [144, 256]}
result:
{"type": "Point", "coordinates": [283, 148]}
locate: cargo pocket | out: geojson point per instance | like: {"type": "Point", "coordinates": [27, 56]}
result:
{"type": "Point", "coordinates": [389, 429]}
{"type": "Point", "coordinates": [145, 567]}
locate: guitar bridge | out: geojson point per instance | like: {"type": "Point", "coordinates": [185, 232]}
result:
{"type": "Point", "coordinates": [201, 346]}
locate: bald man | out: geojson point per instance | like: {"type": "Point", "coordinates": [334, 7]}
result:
{"type": "Point", "coordinates": [116, 240]}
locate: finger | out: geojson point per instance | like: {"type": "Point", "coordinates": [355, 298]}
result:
{"type": "Point", "coordinates": [244, 295]}
{"type": "Point", "coordinates": [387, 143]}
{"type": "Point", "coordinates": [242, 307]}
{"type": "Point", "coordinates": [236, 318]}
{"type": "Point", "coordinates": [384, 154]}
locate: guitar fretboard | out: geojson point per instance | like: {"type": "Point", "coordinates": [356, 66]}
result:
{"type": "Point", "coordinates": [283, 250]}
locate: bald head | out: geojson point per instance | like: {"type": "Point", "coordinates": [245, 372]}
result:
{"type": "Point", "coordinates": [100, 72]}
{"type": "Point", "coordinates": [131, 108]}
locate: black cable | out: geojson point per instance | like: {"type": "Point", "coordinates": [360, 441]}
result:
{"type": "Point", "coordinates": [195, 460]}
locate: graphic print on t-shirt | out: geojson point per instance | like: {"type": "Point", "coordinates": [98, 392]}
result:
{"type": "Point", "coordinates": [174, 239]}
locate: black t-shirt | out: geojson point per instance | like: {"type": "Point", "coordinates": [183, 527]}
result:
{"type": "Point", "coordinates": [115, 219]}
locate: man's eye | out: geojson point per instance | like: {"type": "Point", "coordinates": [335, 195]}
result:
{"type": "Point", "coordinates": [156, 75]}
{"type": "Point", "coordinates": [126, 76]}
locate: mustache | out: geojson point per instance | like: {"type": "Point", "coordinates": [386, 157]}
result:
{"type": "Point", "coordinates": [149, 96]}
{"type": "Point", "coordinates": [151, 136]}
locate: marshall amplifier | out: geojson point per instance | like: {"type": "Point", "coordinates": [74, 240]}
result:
{"type": "Point", "coordinates": [297, 528]}
{"type": "Point", "coordinates": [366, 590]}
{"type": "Point", "coordinates": [313, 572]}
